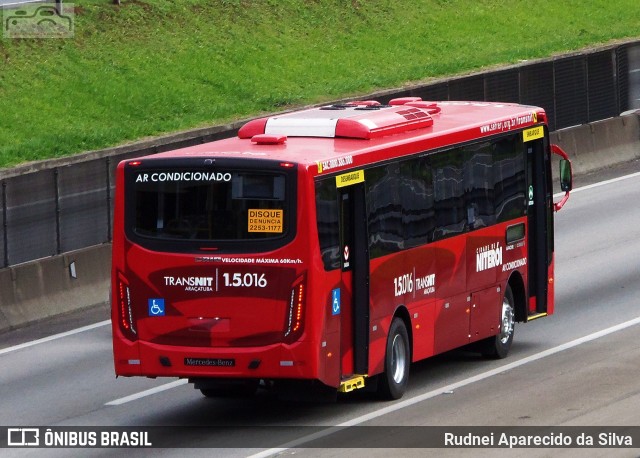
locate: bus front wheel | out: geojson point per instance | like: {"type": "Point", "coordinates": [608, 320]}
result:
{"type": "Point", "coordinates": [393, 382]}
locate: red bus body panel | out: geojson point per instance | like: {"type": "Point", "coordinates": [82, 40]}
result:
{"type": "Point", "coordinates": [454, 300]}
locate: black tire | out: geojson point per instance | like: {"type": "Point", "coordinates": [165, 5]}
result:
{"type": "Point", "coordinates": [497, 347]}
{"type": "Point", "coordinates": [393, 382]}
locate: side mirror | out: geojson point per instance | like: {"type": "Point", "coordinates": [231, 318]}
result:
{"type": "Point", "coordinates": [566, 180]}
{"type": "Point", "coordinates": [566, 177]}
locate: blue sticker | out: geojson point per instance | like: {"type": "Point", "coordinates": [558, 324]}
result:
{"type": "Point", "coordinates": [156, 307]}
{"type": "Point", "coordinates": [335, 301]}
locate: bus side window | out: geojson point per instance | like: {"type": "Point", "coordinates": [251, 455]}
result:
{"type": "Point", "coordinates": [416, 195]}
{"type": "Point", "coordinates": [510, 178]}
{"type": "Point", "coordinates": [384, 210]}
{"type": "Point", "coordinates": [448, 171]}
{"type": "Point", "coordinates": [479, 185]}
{"type": "Point", "coordinates": [327, 220]}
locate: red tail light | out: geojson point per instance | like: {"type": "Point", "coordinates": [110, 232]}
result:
{"type": "Point", "coordinates": [294, 324]}
{"type": "Point", "coordinates": [124, 309]}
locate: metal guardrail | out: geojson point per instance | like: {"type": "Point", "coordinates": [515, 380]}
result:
{"type": "Point", "coordinates": [60, 208]}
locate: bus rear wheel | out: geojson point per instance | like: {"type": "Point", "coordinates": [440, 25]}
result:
{"type": "Point", "coordinates": [498, 347]}
{"type": "Point", "coordinates": [393, 382]}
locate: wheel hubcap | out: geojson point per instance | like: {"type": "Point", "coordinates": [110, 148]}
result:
{"type": "Point", "coordinates": [507, 321]}
{"type": "Point", "coordinates": [398, 358]}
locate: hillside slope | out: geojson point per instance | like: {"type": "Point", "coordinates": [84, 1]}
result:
{"type": "Point", "coordinates": [146, 68]}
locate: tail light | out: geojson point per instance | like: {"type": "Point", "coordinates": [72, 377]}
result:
{"type": "Point", "coordinates": [295, 316]}
{"type": "Point", "coordinates": [124, 309]}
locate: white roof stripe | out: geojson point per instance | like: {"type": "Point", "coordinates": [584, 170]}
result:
{"type": "Point", "coordinates": [300, 127]}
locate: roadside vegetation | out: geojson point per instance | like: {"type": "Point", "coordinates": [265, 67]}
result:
{"type": "Point", "coordinates": [150, 67]}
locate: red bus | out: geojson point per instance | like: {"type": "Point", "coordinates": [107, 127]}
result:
{"type": "Point", "coordinates": [325, 250]}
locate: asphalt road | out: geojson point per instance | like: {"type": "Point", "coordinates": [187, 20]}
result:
{"type": "Point", "coordinates": [575, 368]}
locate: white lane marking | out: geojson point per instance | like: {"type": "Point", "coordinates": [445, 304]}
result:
{"type": "Point", "coordinates": [298, 443]}
{"type": "Point", "coordinates": [149, 392]}
{"type": "Point", "coordinates": [394, 407]}
{"type": "Point", "coordinates": [54, 337]}
{"type": "Point", "coordinates": [600, 183]}
{"type": "Point", "coordinates": [104, 323]}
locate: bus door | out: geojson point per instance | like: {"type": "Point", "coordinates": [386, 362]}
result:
{"type": "Point", "coordinates": [354, 300]}
{"type": "Point", "coordinates": [540, 214]}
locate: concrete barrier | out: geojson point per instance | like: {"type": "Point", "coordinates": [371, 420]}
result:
{"type": "Point", "coordinates": [45, 288]}
{"type": "Point", "coordinates": [53, 286]}
{"type": "Point", "coordinates": [601, 144]}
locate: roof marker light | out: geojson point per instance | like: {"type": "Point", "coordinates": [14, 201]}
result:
{"type": "Point", "coordinates": [267, 139]}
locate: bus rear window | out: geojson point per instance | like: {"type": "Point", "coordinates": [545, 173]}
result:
{"type": "Point", "coordinates": [198, 205]}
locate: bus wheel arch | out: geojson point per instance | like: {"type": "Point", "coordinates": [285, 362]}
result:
{"type": "Point", "coordinates": [403, 314]}
{"type": "Point", "coordinates": [516, 283]}
{"type": "Point", "coordinates": [392, 383]}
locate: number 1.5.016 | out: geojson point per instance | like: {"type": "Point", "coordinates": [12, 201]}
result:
{"type": "Point", "coordinates": [248, 280]}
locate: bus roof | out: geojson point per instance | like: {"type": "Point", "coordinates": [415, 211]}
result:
{"type": "Point", "coordinates": [344, 135]}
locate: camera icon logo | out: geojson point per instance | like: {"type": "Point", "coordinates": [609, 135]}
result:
{"type": "Point", "coordinates": [23, 437]}
{"type": "Point", "coordinates": [39, 20]}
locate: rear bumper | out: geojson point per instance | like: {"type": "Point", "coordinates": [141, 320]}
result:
{"type": "Point", "coordinates": [275, 361]}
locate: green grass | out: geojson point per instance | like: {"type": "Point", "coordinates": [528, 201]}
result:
{"type": "Point", "coordinates": [147, 68]}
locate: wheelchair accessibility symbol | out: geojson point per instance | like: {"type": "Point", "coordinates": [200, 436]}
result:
{"type": "Point", "coordinates": [156, 307]}
{"type": "Point", "coordinates": [335, 301]}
